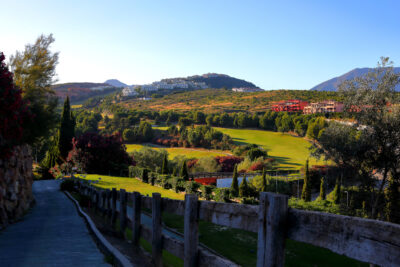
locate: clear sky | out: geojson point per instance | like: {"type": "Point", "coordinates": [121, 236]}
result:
{"type": "Point", "coordinates": [274, 44]}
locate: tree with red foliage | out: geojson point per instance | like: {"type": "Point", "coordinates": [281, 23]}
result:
{"type": "Point", "coordinates": [94, 153]}
{"type": "Point", "coordinates": [228, 163]}
{"type": "Point", "coordinates": [257, 166]}
{"type": "Point", "coordinates": [13, 111]}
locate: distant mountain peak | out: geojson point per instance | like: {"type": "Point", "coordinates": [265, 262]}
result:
{"type": "Point", "coordinates": [115, 83]}
{"type": "Point", "coordinates": [333, 84]}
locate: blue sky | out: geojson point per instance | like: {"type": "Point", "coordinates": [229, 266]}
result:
{"type": "Point", "coordinates": [274, 44]}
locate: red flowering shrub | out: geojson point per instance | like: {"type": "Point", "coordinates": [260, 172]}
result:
{"type": "Point", "coordinates": [94, 153]}
{"type": "Point", "coordinates": [258, 166]}
{"type": "Point", "coordinates": [227, 163]}
{"type": "Point", "coordinates": [191, 163]}
{"type": "Point", "coordinates": [13, 111]}
{"type": "Point", "coordinates": [206, 181]}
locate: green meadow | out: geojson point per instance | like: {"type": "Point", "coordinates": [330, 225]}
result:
{"type": "Point", "coordinates": [130, 185]}
{"type": "Point", "coordinates": [176, 151]}
{"type": "Point", "coordinates": [289, 151]}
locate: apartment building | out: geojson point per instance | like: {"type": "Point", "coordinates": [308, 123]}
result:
{"type": "Point", "coordinates": [327, 106]}
{"type": "Point", "coordinates": [292, 105]}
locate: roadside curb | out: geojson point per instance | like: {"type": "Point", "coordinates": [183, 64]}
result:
{"type": "Point", "coordinates": [105, 246]}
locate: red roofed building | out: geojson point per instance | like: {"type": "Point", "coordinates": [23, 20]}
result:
{"type": "Point", "coordinates": [292, 105]}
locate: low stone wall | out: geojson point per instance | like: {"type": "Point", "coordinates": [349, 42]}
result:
{"type": "Point", "coordinates": [16, 180]}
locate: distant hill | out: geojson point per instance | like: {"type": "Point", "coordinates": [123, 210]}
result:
{"type": "Point", "coordinates": [214, 80]}
{"type": "Point", "coordinates": [79, 92]}
{"type": "Point", "coordinates": [115, 83]}
{"type": "Point", "coordinates": [333, 84]}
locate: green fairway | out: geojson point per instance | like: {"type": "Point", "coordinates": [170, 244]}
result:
{"type": "Point", "coordinates": [175, 151]}
{"type": "Point", "coordinates": [130, 185]}
{"type": "Point", "coordinates": [289, 151]}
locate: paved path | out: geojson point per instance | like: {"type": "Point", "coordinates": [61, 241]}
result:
{"type": "Point", "coordinates": [52, 234]}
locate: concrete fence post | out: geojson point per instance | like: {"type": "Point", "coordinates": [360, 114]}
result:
{"type": "Point", "coordinates": [108, 204]}
{"type": "Point", "coordinates": [272, 216]}
{"type": "Point", "coordinates": [191, 228]}
{"type": "Point", "coordinates": [156, 238]}
{"type": "Point", "coordinates": [122, 211]}
{"type": "Point", "coordinates": [113, 207]}
{"type": "Point", "coordinates": [104, 202]}
{"type": "Point", "coordinates": [136, 212]}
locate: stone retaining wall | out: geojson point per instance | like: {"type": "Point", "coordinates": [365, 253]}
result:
{"type": "Point", "coordinates": [16, 180]}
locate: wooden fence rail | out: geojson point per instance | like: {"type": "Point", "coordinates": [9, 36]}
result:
{"type": "Point", "coordinates": [371, 241]}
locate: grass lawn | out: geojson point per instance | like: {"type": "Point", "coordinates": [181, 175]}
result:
{"type": "Point", "coordinates": [76, 106]}
{"type": "Point", "coordinates": [289, 151]}
{"type": "Point", "coordinates": [175, 151]}
{"type": "Point", "coordinates": [130, 185]}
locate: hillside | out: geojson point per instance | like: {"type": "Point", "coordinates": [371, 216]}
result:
{"type": "Point", "coordinates": [115, 83]}
{"type": "Point", "coordinates": [333, 84]}
{"type": "Point", "coordinates": [214, 80]}
{"type": "Point", "coordinates": [79, 92]}
{"type": "Point", "coordinates": [221, 100]}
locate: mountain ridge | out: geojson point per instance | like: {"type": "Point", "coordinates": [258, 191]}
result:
{"type": "Point", "coordinates": [333, 84]}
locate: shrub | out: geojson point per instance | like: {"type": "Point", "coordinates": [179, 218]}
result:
{"type": "Point", "coordinates": [228, 163]}
{"type": "Point", "coordinates": [94, 153]}
{"type": "Point", "coordinates": [184, 172]}
{"type": "Point", "coordinates": [249, 201]}
{"type": "Point", "coordinates": [244, 188]}
{"type": "Point", "coordinates": [255, 153]}
{"type": "Point", "coordinates": [13, 111]}
{"type": "Point", "coordinates": [221, 195]}
{"type": "Point", "coordinates": [191, 187]}
{"type": "Point", "coordinates": [207, 164]}
{"type": "Point", "coordinates": [336, 192]}
{"type": "Point", "coordinates": [151, 159]}
{"type": "Point", "coordinates": [206, 191]}
{"type": "Point", "coordinates": [322, 193]}
{"type": "Point", "coordinates": [178, 184]}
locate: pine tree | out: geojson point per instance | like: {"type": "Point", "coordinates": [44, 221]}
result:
{"type": "Point", "coordinates": [66, 131]}
{"type": "Point", "coordinates": [264, 181]}
{"type": "Point", "coordinates": [243, 188]}
{"type": "Point", "coordinates": [235, 183]}
{"type": "Point", "coordinates": [336, 192]}
{"type": "Point", "coordinates": [392, 201]}
{"type": "Point", "coordinates": [306, 193]}
{"type": "Point", "coordinates": [322, 193]}
{"type": "Point", "coordinates": [165, 169]}
{"type": "Point", "coordinates": [184, 172]}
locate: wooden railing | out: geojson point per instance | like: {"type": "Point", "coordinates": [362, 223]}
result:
{"type": "Point", "coordinates": [366, 240]}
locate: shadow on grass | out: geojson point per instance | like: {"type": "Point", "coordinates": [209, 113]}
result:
{"type": "Point", "coordinates": [285, 160]}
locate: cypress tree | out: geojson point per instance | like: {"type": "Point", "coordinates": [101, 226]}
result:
{"type": "Point", "coordinates": [184, 172]}
{"type": "Point", "coordinates": [392, 201]}
{"type": "Point", "coordinates": [264, 181]}
{"type": "Point", "coordinates": [322, 193]}
{"type": "Point", "coordinates": [235, 183]}
{"type": "Point", "coordinates": [67, 130]}
{"type": "Point", "coordinates": [164, 169]}
{"type": "Point", "coordinates": [336, 192]}
{"type": "Point", "coordinates": [306, 193]}
{"type": "Point", "coordinates": [243, 188]}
